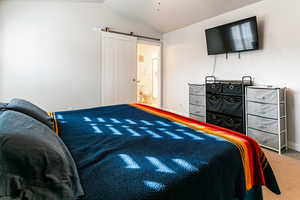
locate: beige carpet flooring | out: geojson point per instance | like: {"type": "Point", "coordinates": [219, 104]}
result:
{"type": "Point", "coordinates": [287, 171]}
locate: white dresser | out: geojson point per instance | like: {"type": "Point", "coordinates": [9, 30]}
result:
{"type": "Point", "coordinates": [197, 102]}
{"type": "Point", "coordinates": [266, 116]}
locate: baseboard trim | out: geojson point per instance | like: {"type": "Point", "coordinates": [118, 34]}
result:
{"type": "Point", "coordinates": [294, 146]}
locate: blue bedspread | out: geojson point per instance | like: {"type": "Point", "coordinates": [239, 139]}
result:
{"type": "Point", "coordinates": [124, 153]}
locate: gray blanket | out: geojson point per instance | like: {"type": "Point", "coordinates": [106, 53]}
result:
{"type": "Point", "coordinates": [34, 162]}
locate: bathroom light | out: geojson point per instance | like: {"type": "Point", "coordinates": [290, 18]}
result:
{"type": "Point", "coordinates": [157, 5]}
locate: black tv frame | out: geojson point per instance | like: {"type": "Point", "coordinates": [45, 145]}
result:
{"type": "Point", "coordinates": [231, 23]}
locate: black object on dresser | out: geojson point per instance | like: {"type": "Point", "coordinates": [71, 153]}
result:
{"type": "Point", "coordinates": [225, 102]}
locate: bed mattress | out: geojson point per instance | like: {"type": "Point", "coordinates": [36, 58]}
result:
{"type": "Point", "coordinates": [136, 152]}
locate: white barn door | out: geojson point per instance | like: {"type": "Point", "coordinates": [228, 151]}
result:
{"type": "Point", "coordinates": [118, 69]}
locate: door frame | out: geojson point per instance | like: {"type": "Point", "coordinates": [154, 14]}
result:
{"type": "Point", "coordinates": [153, 43]}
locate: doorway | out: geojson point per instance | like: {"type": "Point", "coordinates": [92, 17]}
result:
{"type": "Point", "coordinates": [149, 73]}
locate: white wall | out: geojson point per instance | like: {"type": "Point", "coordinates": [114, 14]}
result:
{"type": "Point", "coordinates": [278, 63]}
{"type": "Point", "coordinates": [49, 51]}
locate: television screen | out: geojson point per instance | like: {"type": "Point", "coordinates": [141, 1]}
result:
{"type": "Point", "coordinates": [234, 37]}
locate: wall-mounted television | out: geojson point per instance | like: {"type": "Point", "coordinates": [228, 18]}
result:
{"type": "Point", "coordinates": [237, 36]}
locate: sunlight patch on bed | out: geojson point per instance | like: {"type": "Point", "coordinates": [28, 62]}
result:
{"type": "Point", "coordinates": [144, 128]}
{"type": "Point", "coordinates": [147, 123]}
{"type": "Point", "coordinates": [115, 121]}
{"type": "Point", "coordinates": [87, 119]}
{"type": "Point", "coordinates": [130, 121]}
{"type": "Point", "coordinates": [154, 135]}
{"type": "Point", "coordinates": [134, 133]}
{"type": "Point", "coordinates": [101, 120]}
{"type": "Point", "coordinates": [195, 137]}
{"type": "Point", "coordinates": [154, 185]}
{"type": "Point", "coordinates": [96, 129]}
{"type": "Point", "coordinates": [184, 164]}
{"type": "Point", "coordinates": [60, 117]}
{"type": "Point", "coordinates": [162, 123]}
{"type": "Point", "coordinates": [160, 167]}
{"type": "Point", "coordinates": [130, 163]}
{"type": "Point", "coordinates": [174, 136]}
{"type": "Point", "coordinates": [115, 131]}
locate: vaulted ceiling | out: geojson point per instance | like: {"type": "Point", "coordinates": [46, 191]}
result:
{"type": "Point", "coordinates": [173, 14]}
{"type": "Point", "coordinates": [167, 15]}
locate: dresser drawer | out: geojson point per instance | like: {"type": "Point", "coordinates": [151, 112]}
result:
{"type": "Point", "coordinates": [214, 87]}
{"type": "Point", "coordinates": [233, 123]}
{"type": "Point", "coordinates": [197, 89]}
{"type": "Point", "coordinates": [214, 102]}
{"type": "Point", "coordinates": [266, 139]}
{"type": "Point", "coordinates": [197, 110]}
{"type": "Point", "coordinates": [262, 95]}
{"type": "Point", "coordinates": [235, 89]}
{"type": "Point", "coordinates": [199, 118]}
{"type": "Point", "coordinates": [197, 100]}
{"type": "Point", "coordinates": [264, 124]}
{"type": "Point", "coordinates": [265, 110]}
{"type": "Point", "coordinates": [232, 105]}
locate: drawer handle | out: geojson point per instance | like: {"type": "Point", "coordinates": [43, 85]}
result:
{"type": "Point", "coordinates": [262, 127]}
{"type": "Point", "coordinates": [231, 87]}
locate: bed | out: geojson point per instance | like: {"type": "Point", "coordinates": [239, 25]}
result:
{"type": "Point", "coordinates": [137, 152]}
